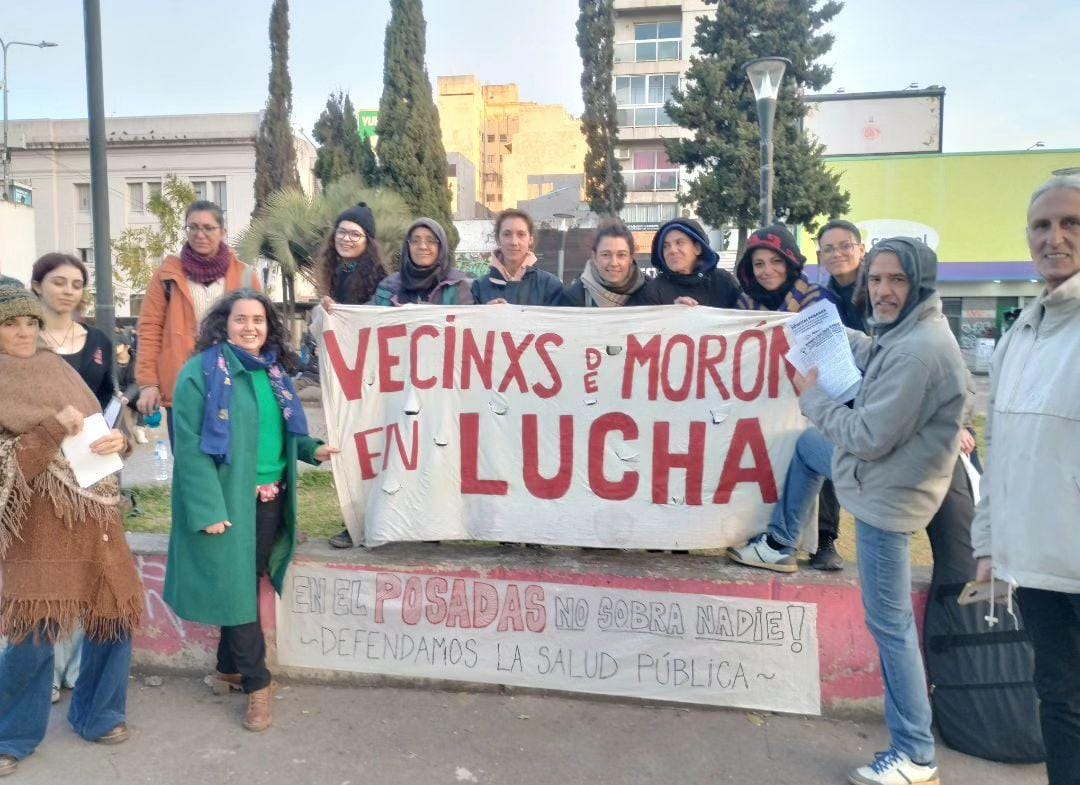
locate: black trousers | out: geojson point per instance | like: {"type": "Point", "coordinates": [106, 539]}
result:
{"type": "Point", "coordinates": [828, 516]}
{"type": "Point", "coordinates": [242, 649]}
{"type": "Point", "coordinates": [1052, 620]}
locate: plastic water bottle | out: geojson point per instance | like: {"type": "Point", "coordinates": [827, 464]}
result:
{"type": "Point", "coordinates": [161, 460]}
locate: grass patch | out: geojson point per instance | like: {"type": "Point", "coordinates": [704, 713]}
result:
{"type": "Point", "coordinates": [316, 499]}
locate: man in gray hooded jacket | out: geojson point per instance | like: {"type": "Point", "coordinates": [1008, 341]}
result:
{"type": "Point", "coordinates": [891, 457]}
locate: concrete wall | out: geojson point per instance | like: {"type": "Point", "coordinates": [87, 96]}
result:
{"type": "Point", "coordinates": [849, 665]}
{"type": "Point", "coordinates": [18, 245]}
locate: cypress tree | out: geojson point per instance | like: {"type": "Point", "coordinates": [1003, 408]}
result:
{"type": "Point", "coordinates": [716, 102]}
{"type": "Point", "coordinates": [605, 189]}
{"type": "Point", "coordinates": [341, 151]}
{"type": "Point", "coordinates": [275, 153]}
{"type": "Point", "coordinates": [412, 159]}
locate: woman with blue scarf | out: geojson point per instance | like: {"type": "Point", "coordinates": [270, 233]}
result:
{"type": "Point", "coordinates": [240, 430]}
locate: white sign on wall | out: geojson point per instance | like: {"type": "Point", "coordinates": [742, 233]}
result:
{"type": "Point", "coordinates": [687, 648]}
{"type": "Point", "coordinates": [876, 126]}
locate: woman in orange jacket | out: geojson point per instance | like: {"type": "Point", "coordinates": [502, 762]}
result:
{"type": "Point", "coordinates": [179, 295]}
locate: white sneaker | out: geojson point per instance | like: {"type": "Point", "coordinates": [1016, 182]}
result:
{"type": "Point", "coordinates": [894, 768]}
{"type": "Point", "coordinates": [55, 694]}
{"type": "Point", "coordinates": [140, 435]}
{"type": "Point", "coordinates": [758, 553]}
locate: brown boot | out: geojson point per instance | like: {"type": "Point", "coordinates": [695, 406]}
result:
{"type": "Point", "coordinates": [260, 712]}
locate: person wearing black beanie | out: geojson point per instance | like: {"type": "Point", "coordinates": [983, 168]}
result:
{"type": "Point", "coordinates": [349, 267]}
{"type": "Point", "coordinates": [686, 269]}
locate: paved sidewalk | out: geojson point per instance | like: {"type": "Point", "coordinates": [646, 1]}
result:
{"type": "Point", "coordinates": [343, 735]}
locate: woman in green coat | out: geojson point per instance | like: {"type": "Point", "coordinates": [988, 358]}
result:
{"type": "Point", "coordinates": [239, 429]}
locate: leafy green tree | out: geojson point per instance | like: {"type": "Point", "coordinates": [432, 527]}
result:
{"type": "Point", "coordinates": [412, 159]}
{"type": "Point", "coordinates": [275, 148]}
{"type": "Point", "coordinates": [716, 103]}
{"type": "Point", "coordinates": [292, 227]}
{"type": "Point", "coordinates": [341, 151]}
{"type": "Point", "coordinates": [605, 189]}
{"type": "Point", "coordinates": [140, 249]}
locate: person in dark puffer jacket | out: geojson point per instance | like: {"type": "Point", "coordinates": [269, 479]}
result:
{"type": "Point", "coordinates": [513, 277]}
{"type": "Point", "coordinates": [687, 271]}
{"type": "Point", "coordinates": [611, 278]}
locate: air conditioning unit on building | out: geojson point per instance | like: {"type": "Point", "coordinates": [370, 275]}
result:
{"type": "Point", "coordinates": [622, 153]}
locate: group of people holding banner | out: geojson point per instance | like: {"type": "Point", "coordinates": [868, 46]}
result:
{"type": "Point", "coordinates": [214, 353]}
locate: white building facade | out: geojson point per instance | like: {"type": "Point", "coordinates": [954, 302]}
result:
{"type": "Point", "coordinates": [215, 152]}
{"type": "Point", "coordinates": [653, 44]}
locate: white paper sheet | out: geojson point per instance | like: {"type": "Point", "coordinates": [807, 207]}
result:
{"type": "Point", "coordinates": [88, 467]}
{"type": "Point", "coordinates": [819, 339]}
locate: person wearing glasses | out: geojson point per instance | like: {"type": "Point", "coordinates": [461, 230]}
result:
{"type": "Point", "coordinates": [427, 276]}
{"type": "Point", "coordinates": [427, 272]}
{"type": "Point", "coordinates": [350, 265]}
{"type": "Point", "coordinates": [179, 295]}
{"type": "Point", "coordinates": [841, 251]}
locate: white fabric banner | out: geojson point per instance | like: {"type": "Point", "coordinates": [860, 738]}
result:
{"type": "Point", "coordinates": [666, 427]}
{"type": "Point", "coordinates": [688, 648]}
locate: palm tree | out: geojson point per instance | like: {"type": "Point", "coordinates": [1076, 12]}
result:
{"type": "Point", "coordinates": [292, 227]}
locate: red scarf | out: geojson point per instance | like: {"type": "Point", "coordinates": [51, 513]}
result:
{"type": "Point", "coordinates": [202, 269]}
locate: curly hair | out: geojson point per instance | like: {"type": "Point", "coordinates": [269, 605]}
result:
{"type": "Point", "coordinates": [361, 285]}
{"type": "Point", "coordinates": [214, 329]}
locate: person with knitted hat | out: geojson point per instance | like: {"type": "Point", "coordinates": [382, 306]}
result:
{"type": "Point", "coordinates": [770, 271]}
{"type": "Point", "coordinates": [350, 264]}
{"type": "Point", "coordinates": [427, 276]}
{"type": "Point", "coordinates": [49, 525]}
{"type": "Point", "coordinates": [179, 295]}
{"type": "Point", "coordinates": [687, 272]}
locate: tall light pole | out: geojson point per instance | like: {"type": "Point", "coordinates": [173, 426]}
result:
{"type": "Point", "coordinates": [104, 307]}
{"type": "Point", "coordinates": [7, 150]}
{"type": "Point", "coordinates": [765, 75]}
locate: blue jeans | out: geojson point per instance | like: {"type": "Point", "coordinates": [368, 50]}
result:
{"type": "Point", "coordinates": [885, 574]}
{"type": "Point", "coordinates": [26, 678]}
{"type": "Point", "coordinates": [810, 466]}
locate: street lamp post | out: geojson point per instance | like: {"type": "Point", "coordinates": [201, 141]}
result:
{"type": "Point", "coordinates": [7, 150]}
{"type": "Point", "coordinates": [765, 75]}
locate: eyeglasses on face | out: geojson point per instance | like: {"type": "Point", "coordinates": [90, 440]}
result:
{"type": "Point", "coordinates": [353, 237]}
{"type": "Point", "coordinates": [194, 229]}
{"type": "Point", "coordinates": [423, 242]}
{"type": "Point", "coordinates": [845, 247]}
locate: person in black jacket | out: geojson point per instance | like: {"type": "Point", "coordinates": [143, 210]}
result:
{"type": "Point", "coordinates": [513, 277]}
{"type": "Point", "coordinates": [349, 265]}
{"type": "Point", "coordinates": [686, 269]}
{"type": "Point", "coordinates": [611, 278]}
{"type": "Point", "coordinates": [58, 280]}
{"type": "Point", "coordinates": [840, 252]}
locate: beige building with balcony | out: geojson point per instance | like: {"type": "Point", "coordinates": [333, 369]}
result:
{"type": "Point", "coordinates": [506, 143]}
{"type": "Point", "coordinates": [653, 44]}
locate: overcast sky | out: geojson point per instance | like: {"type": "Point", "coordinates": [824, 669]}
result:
{"type": "Point", "coordinates": [1009, 67]}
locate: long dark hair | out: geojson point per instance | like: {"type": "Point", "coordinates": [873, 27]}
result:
{"type": "Point", "coordinates": [214, 329]}
{"type": "Point", "coordinates": [369, 271]}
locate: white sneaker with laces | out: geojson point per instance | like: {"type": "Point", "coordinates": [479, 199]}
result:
{"type": "Point", "coordinates": [758, 553]}
{"type": "Point", "coordinates": [140, 435]}
{"type": "Point", "coordinates": [894, 768]}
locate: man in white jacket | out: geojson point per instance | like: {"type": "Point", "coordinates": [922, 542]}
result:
{"type": "Point", "coordinates": [1027, 525]}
